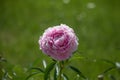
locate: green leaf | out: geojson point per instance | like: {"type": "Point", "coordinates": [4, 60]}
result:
{"type": "Point", "coordinates": [76, 58]}
{"type": "Point", "coordinates": [55, 74]}
{"type": "Point", "coordinates": [109, 69]}
{"type": "Point", "coordinates": [39, 69]}
{"type": "Point", "coordinates": [112, 77]}
{"type": "Point", "coordinates": [5, 75]}
{"type": "Point", "coordinates": [78, 72]}
{"type": "Point", "coordinates": [108, 61]}
{"type": "Point", "coordinates": [32, 75]}
{"type": "Point", "coordinates": [65, 76]}
{"type": "Point", "coordinates": [44, 63]}
{"type": "Point", "coordinates": [48, 69]}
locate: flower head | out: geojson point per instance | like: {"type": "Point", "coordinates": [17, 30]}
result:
{"type": "Point", "coordinates": [59, 42]}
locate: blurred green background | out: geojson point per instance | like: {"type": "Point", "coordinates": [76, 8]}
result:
{"type": "Point", "coordinates": [96, 23]}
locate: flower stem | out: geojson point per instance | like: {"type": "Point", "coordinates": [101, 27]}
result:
{"type": "Point", "coordinates": [61, 63]}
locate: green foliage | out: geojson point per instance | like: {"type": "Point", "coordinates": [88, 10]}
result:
{"type": "Point", "coordinates": [55, 74]}
{"type": "Point", "coordinates": [78, 72]}
{"type": "Point", "coordinates": [48, 70]}
{"type": "Point", "coordinates": [96, 23]}
{"type": "Point", "coordinates": [31, 75]}
{"type": "Point", "coordinates": [65, 77]}
{"type": "Point", "coordinates": [38, 69]}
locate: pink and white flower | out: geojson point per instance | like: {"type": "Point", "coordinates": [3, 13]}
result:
{"type": "Point", "coordinates": [59, 42]}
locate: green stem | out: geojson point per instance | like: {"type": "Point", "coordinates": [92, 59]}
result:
{"type": "Point", "coordinates": [61, 63]}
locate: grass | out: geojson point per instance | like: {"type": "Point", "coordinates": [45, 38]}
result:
{"type": "Point", "coordinates": [22, 22]}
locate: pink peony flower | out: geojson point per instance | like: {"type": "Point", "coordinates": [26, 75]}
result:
{"type": "Point", "coordinates": [59, 42]}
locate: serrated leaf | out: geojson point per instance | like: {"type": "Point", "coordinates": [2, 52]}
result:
{"type": "Point", "coordinates": [77, 71]}
{"type": "Point", "coordinates": [48, 70]}
{"type": "Point", "coordinates": [31, 75]}
{"type": "Point", "coordinates": [39, 69]}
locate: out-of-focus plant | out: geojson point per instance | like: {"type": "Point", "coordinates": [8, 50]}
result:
{"type": "Point", "coordinates": [3, 73]}
{"type": "Point", "coordinates": [115, 66]}
{"type": "Point", "coordinates": [11, 72]}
